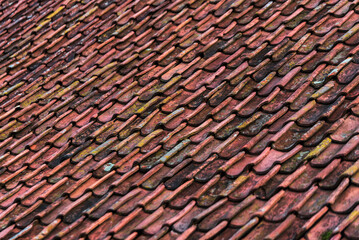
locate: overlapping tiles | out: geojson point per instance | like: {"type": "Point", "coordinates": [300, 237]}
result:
{"type": "Point", "coordinates": [179, 119]}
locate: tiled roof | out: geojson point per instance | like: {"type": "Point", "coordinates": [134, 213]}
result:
{"type": "Point", "coordinates": [185, 119]}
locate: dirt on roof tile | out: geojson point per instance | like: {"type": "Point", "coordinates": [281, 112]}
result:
{"type": "Point", "coordinates": [180, 119]}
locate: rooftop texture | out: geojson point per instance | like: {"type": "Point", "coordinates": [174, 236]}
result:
{"type": "Point", "coordinates": [187, 119]}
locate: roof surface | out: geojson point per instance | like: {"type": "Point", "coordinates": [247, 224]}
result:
{"type": "Point", "coordinates": [179, 119]}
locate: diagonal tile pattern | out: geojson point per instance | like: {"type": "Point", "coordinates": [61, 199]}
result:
{"type": "Point", "coordinates": [183, 119]}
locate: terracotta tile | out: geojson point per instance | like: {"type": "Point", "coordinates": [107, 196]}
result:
{"type": "Point", "coordinates": [185, 196]}
{"type": "Point", "coordinates": [326, 155]}
{"type": "Point", "coordinates": [274, 157]}
{"type": "Point", "coordinates": [233, 146]}
{"type": "Point", "coordinates": [351, 230]}
{"type": "Point", "coordinates": [289, 228]}
{"type": "Point", "coordinates": [346, 200]}
{"type": "Point", "coordinates": [125, 184]}
{"type": "Point", "coordinates": [333, 179]}
{"type": "Point", "coordinates": [181, 176]}
{"type": "Point", "coordinates": [157, 226]}
{"type": "Point", "coordinates": [287, 204]}
{"type": "Point", "coordinates": [154, 200]}
{"type": "Point", "coordinates": [288, 137]}
{"type": "Point", "coordinates": [352, 155]}
{"type": "Point", "coordinates": [29, 214]}
{"type": "Point", "coordinates": [245, 184]}
{"type": "Point", "coordinates": [348, 126]}
{"type": "Point", "coordinates": [8, 199]}
{"type": "Point", "coordinates": [35, 228]}
{"type": "Point", "coordinates": [213, 218]}
{"type": "Point", "coordinates": [261, 230]}
{"type": "Point", "coordinates": [313, 206]}
{"type": "Point", "coordinates": [325, 226]}
{"type": "Point", "coordinates": [233, 117]}
{"type": "Point", "coordinates": [185, 222]}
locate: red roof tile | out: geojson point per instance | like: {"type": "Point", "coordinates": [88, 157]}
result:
{"type": "Point", "coordinates": [179, 119]}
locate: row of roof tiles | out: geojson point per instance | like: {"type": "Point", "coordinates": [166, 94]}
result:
{"type": "Point", "coordinates": [179, 119]}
